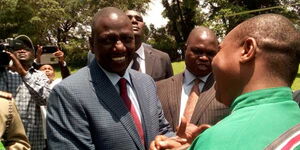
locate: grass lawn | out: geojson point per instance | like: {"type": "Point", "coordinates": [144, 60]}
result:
{"type": "Point", "coordinates": [179, 67]}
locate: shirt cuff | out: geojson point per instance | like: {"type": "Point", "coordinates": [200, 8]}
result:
{"type": "Point", "coordinates": [36, 62]}
{"type": "Point", "coordinates": [27, 77]}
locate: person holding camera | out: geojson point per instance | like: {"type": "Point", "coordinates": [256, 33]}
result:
{"type": "Point", "coordinates": [48, 68]}
{"type": "Point", "coordinates": [50, 72]}
{"type": "Point", "coordinates": [29, 88]}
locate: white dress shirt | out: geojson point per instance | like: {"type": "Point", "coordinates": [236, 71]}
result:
{"type": "Point", "coordinates": [141, 58]}
{"type": "Point", "coordinates": [114, 78]}
{"type": "Point", "coordinates": [187, 87]}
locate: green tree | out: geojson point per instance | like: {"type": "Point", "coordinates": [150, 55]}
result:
{"type": "Point", "coordinates": [224, 15]}
{"type": "Point", "coordinates": [183, 15]}
{"type": "Point", "coordinates": [160, 39]}
{"type": "Point", "coordinates": [57, 22]}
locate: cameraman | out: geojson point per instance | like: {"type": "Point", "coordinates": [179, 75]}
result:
{"type": "Point", "coordinates": [29, 87]}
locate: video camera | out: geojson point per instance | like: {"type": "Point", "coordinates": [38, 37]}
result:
{"type": "Point", "coordinates": [9, 45]}
{"type": "Point", "coordinates": [6, 45]}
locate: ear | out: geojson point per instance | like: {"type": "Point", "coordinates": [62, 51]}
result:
{"type": "Point", "coordinates": [249, 50]}
{"type": "Point", "coordinates": [91, 41]}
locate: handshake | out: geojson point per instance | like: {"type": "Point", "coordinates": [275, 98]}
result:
{"type": "Point", "coordinates": [186, 133]}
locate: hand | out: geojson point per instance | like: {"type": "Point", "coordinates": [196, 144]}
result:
{"type": "Point", "coordinates": [190, 131]}
{"type": "Point", "coordinates": [39, 53]}
{"type": "Point", "coordinates": [60, 55]}
{"type": "Point", "coordinates": [162, 142]}
{"type": "Point", "coordinates": [17, 66]}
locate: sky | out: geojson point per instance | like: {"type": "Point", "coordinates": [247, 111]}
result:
{"type": "Point", "coordinates": [153, 14]}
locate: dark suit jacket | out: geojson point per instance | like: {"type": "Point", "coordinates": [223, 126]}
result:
{"type": "Point", "coordinates": [296, 96]}
{"type": "Point", "coordinates": [207, 110]}
{"type": "Point", "coordinates": [158, 64]}
{"type": "Point", "coordinates": [85, 112]}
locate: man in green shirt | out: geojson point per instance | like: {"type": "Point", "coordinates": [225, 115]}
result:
{"type": "Point", "coordinates": [254, 69]}
{"type": "Point", "coordinates": [256, 65]}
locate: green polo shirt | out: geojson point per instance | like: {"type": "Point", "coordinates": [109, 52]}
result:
{"type": "Point", "coordinates": [257, 119]}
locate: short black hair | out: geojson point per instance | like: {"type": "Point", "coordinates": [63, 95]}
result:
{"type": "Point", "coordinates": [279, 39]}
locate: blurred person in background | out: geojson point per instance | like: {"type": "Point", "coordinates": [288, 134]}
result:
{"type": "Point", "coordinates": [49, 70]}
{"type": "Point", "coordinates": [146, 59]}
{"type": "Point", "coordinates": [191, 93]}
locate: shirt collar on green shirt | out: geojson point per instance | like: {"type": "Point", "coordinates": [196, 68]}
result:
{"type": "Point", "coordinates": [263, 96]}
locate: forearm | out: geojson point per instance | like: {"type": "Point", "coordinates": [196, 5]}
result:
{"type": "Point", "coordinates": [65, 72]}
{"type": "Point", "coordinates": [38, 86]}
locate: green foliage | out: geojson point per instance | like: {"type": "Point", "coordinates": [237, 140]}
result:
{"type": "Point", "coordinates": [76, 53]}
{"type": "Point", "coordinates": [182, 15]}
{"type": "Point", "coordinates": [224, 15]}
{"type": "Point", "coordinates": [57, 22]}
{"type": "Point", "coordinates": [178, 67]}
{"type": "Point", "coordinates": [159, 39]}
{"type": "Point", "coordinates": [219, 15]}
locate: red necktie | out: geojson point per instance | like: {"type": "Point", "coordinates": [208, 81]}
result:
{"type": "Point", "coordinates": [127, 101]}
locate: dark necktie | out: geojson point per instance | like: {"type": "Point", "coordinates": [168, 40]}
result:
{"type": "Point", "coordinates": [192, 100]}
{"type": "Point", "coordinates": [129, 105]}
{"type": "Point", "coordinates": [135, 64]}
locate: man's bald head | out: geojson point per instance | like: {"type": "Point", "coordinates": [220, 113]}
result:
{"type": "Point", "coordinates": [278, 38]}
{"type": "Point", "coordinates": [108, 13]}
{"type": "Point", "coordinates": [203, 33]}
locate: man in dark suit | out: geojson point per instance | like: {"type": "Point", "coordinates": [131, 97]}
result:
{"type": "Point", "coordinates": [106, 105]}
{"type": "Point", "coordinates": [175, 92]}
{"type": "Point", "coordinates": [151, 61]}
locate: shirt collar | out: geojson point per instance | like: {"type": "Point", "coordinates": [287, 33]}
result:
{"type": "Point", "coordinates": [262, 96]}
{"type": "Point", "coordinates": [114, 78]}
{"type": "Point", "coordinates": [141, 52]}
{"type": "Point", "coordinates": [189, 77]}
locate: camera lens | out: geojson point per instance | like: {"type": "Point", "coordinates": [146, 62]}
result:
{"type": "Point", "coordinates": [4, 59]}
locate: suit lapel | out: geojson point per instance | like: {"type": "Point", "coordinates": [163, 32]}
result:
{"type": "Point", "coordinates": [205, 98]}
{"type": "Point", "coordinates": [108, 95]}
{"type": "Point", "coordinates": [141, 94]}
{"type": "Point", "coordinates": [149, 60]}
{"type": "Point", "coordinates": [175, 98]}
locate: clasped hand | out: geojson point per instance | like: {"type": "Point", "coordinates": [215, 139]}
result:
{"type": "Point", "coordinates": [186, 133]}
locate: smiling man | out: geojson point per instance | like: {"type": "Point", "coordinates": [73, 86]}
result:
{"type": "Point", "coordinates": [106, 105]}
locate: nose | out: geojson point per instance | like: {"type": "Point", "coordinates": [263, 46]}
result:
{"type": "Point", "coordinates": [204, 57]}
{"type": "Point", "coordinates": [119, 46]}
{"type": "Point", "coordinates": [133, 20]}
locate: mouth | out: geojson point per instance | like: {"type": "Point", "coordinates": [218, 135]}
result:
{"type": "Point", "coordinates": [122, 58]}
{"type": "Point", "coordinates": [135, 28]}
{"type": "Point", "coordinates": [22, 55]}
